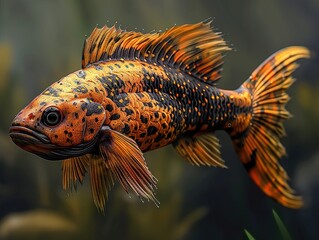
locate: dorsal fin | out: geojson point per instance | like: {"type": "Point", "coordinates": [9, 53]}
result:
{"type": "Point", "coordinates": [192, 48]}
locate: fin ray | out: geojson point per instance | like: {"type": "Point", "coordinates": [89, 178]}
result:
{"type": "Point", "coordinates": [127, 164]}
{"type": "Point", "coordinates": [259, 147]}
{"type": "Point", "coordinates": [194, 49]}
{"type": "Point", "coordinates": [201, 149]}
{"type": "Point", "coordinates": [101, 181]}
{"type": "Point", "coordinates": [73, 171]}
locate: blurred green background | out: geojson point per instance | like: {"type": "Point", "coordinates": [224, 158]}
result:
{"type": "Point", "coordinates": [41, 41]}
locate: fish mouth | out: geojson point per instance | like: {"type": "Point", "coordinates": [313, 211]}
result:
{"type": "Point", "coordinates": [39, 144]}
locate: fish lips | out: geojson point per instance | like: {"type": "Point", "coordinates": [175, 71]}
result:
{"type": "Point", "coordinates": [39, 144]}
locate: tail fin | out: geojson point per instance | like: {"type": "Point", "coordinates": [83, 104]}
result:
{"type": "Point", "coordinates": [259, 148]}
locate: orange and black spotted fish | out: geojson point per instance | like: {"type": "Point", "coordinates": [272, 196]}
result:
{"type": "Point", "coordinates": [138, 92]}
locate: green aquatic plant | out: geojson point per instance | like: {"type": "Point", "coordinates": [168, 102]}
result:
{"type": "Point", "coordinates": [281, 227]}
{"type": "Point", "coordinates": [249, 236]}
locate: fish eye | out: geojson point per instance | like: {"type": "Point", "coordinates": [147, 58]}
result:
{"type": "Point", "coordinates": [51, 116]}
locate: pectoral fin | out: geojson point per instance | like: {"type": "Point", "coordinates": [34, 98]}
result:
{"type": "Point", "coordinates": [125, 160]}
{"type": "Point", "coordinates": [101, 181]}
{"type": "Point", "coordinates": [201, 149]}
{"type": "Point", "coordinates": [73, 171]}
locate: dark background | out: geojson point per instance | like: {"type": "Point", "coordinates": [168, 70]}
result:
{"type": "Point", "coordinates": [41, 41]}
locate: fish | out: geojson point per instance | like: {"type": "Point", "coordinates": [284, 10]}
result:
{"type": "Point", "coordinates": [137, 92]}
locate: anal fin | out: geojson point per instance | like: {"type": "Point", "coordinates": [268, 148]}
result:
{"type": "Point", "coordinates": [203, 149]}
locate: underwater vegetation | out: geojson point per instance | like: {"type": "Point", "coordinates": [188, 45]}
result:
{"type": "Point", "coordinates": [284, 234]}
{"type": "Point", "coordinates": [40, 41]}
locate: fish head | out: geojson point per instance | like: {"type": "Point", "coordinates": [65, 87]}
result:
{"type": "Point", "coordinates": [58, 128]}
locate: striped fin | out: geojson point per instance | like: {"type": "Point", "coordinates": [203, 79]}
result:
{"type": "Point", "coordinates": [201, 149]}
{"type": "Point", "coordinates": [125, 161]}
{"type": "Point", "coordinates": [192, 48]}
{"type": "Point", "coordinates": [73, 171]}
{"type": "Point", "coordinates": [101, 181]}
{"type": "Point", "coordinates": [259, 148]}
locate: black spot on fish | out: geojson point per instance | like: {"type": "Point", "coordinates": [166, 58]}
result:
{"type": "Point", "coordinates": [81, 74]}
{"type": "Point", "coordinates": [51, 92]}
{"type": "Point", "coordinates": [109, 107]}
{"type": "Point", "coordinates": [121, 100]}
{"type": "Point", "coordinates": [77, 81]}
{"type": "Point", "coordinates": [110, 67]}
{"type": "Point", "coordinates": [91, 130]}
{"type": "Point", "coordinates": [159, 137]}
{"type": "Point", "coordinates": [65, 131]}
{"type": "Point", "coordinates": [96, 119]}
{"type": "Point", "coordinates": [144, 119]}
{"type": "Point", "coordinates": [83, 119]}
{"type": "Point", "coordinates": [80, 89]}
{"type": "Point", "coordinates": [143, 134]}
{"type": "Point", "coordinates": [43, 103]}
{"type": "Point", "coordinates": [126, 129]}
{"type": "Point", "coordinates": [131, 64]}
{"type": "Point", "coordinates": [84, 106]}
{"type": "Point", "coordinates": [128, 111]}
{"type": "Point", "coordinates": [156, 114]}
{"type": "Point", "coordinates": [56, 136]}
{"type": "Point", "coordinates": [117, 65]}
{"type": "Point", "coordinates": [115, 116]}
{"type": "Point", "coordinates": [96, 89]}
{"type": "Point", "coordinates": [92, 108]}
{"type": "Point", "coordinates": [138, 143]}
{"type": "Point", "coordinates": [98, 67]}
{"type": "Point", "coordinates": [70, 134]}
{"type": "Point", "coordinates": [151, 130]}
{"type": "Point", "coordinates": [76, 115]}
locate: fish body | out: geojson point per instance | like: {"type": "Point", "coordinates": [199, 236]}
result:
{"type": "Point", "coordinates": [149, 104]}
{"type": "Point", "coordinates": [138, 92]}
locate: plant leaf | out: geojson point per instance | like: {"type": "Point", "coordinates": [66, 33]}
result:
{"type": "Point", "coordinates": [249, 236]}
{"type": "Point", "coordinates": [281, 226]}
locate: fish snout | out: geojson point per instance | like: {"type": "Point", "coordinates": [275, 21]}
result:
{"type": "Point", "coordinates": [23, 118]}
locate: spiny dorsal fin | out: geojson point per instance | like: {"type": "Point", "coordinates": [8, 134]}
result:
{"type": "Point", "coordinates": [199, 150]}
{"type": "Point", "coordinates": [192, 48]}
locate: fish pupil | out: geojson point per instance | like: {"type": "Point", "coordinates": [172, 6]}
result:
{"type": "Point", "coordinates": [51, 116]}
